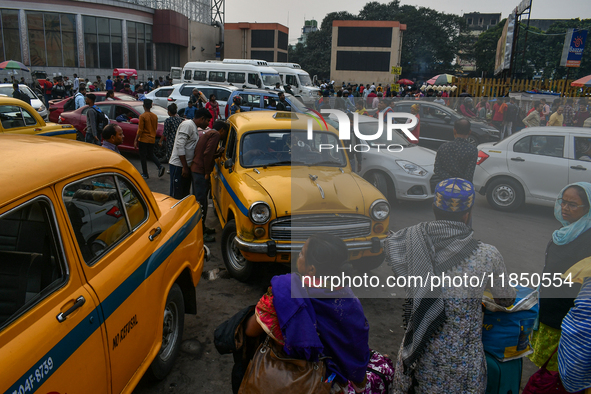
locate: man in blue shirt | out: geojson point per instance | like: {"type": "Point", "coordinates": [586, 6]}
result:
{"type": "Point", "coordinates": [109, 84]}
{"type": "Point", "coordinates": [79, 97]}
{"type": "Point", "coordinates": [190, 111]}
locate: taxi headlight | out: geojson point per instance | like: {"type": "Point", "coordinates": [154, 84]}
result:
{"type": "Point", "coordinates": [259, 212]}
{"type": "Point", "coordinates": [380, 210]}
{"type": "Point", "coordinates": [41, 108]}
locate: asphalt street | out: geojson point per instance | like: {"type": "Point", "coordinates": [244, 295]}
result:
{"type": "Point", "coordinates": [521, 237]}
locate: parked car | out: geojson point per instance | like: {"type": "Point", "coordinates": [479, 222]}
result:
{"type": "Point", "coordinates": [115, 108]}
{"type": "Point", "coordinates": [272, 188]}
{"type": "Point", "coordinates": [36, 101]}
{"type": "Point", "coordinates": [113, 286]}
{"type": "Point", "coordinates": [160, 96]}
{"type": "Point", "coordinates": [437, 124]}
{"type": "Point", "coordinates": [56, 107]}
{"type": "Point", "coordinates": [18, 117]}
{"type": "Point", "coordinates": [402, 172]}
{"type": "Point", "coordinates": [258, 100]}
{"type": "Point", "coordinates": [182, 91]}
{"type": "Point", "coordinates": [532, 166]}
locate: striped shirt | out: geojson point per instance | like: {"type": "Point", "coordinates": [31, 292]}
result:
{"type": "Point", "coordinates": [574, 351]}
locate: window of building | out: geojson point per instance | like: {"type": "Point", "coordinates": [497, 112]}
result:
{"type": "Point", "coordinates": [53, 39]}
{"type": "Point", "coordinates": [10, 35]}
{"type": "Point", "coordinates": [141, 45]}
{"type": "Point", "coordinates": [69, 44]}
{"type": "Point", "coordinates": [262, 39]}
{"type": "Point", "coordinates": [469, 21]}
{"type": "Point", "coordinates": [281, 56]}
{"type": "Point", "coordinates": [131, 44]}
{"type": "Point", "coordinates": [268, 56]}
{"type": "Point", "coordinates": [149, 49]}
{"type": "Point", "coordinates": [116, 43]}
{"type": "Point", "coordinates": [480, 21]}
{"type": "Point", "coordinates": [282, 40]}
{"type": "Point", "coordinates": [36, 39]}
{"type": "Point", "coordinates": [493, 22]}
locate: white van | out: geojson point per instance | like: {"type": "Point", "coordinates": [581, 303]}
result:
{"type": "Point", "coordinates": [299, 80]}
{"type": "Point", "coordinates": [243, 73]}
{"type": "Point", "coordinates": [175, 74]}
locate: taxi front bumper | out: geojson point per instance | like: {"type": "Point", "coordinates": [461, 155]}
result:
{"type": "Point", "coordinates": [271, 248]}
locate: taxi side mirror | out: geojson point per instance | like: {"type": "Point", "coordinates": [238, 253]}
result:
{"type": "Point", "coordinates": [134, 121]}
{"type": "Point", "coordinates": [229, 163]}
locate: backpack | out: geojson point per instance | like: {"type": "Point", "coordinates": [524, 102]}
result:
{"type": "Point", "coordinates": [101, 121]}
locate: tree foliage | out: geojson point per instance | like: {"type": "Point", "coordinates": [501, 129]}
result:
{"type": "Point", "coordinates": [542, 52]}
{"type": "Point", "coordinates": [429, 45]}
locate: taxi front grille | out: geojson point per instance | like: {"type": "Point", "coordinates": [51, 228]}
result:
{"type": "Point", "coordinates": [300, 228]}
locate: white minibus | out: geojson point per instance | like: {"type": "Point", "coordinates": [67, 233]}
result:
{"type": "Point", "coordinates": [299, 80]}
{"type": "Point", "coordinates": [243, 73]}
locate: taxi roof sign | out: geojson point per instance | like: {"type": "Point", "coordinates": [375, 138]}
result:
{"type": "Point", "coordinates": [285, 115]}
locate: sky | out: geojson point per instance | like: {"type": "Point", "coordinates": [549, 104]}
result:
{"type": "Point", "coordinates": [293, 14]}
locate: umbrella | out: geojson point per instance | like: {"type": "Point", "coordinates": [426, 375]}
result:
{"type": "Point", "coordinates": [440, 79]}
{"type": "Point", "coordinates": [13, 65]}
{"type": "Point", "coordinates": [405, 82]}
{"type": "Point", "coordinates": [582, 82]}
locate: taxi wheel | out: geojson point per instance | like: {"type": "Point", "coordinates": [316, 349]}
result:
{"type": "Point", "coordinates": [368, 263]}
{"type": "Point", "coordinates": [378, 180]}
{"type": "Point", "coordinates": [172, 334]}
{"type": "Point", "coordinates": [505, 194]}
{"type": "Point", "coordinates": [236, 264]}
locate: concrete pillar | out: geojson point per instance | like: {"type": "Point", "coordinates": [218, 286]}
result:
{"type": "Point", "coordinates": [80, 41]}
{"type": "Point", "coordinates": [24, 37]}
{"type": "Point", "coordinates": [125, 46]}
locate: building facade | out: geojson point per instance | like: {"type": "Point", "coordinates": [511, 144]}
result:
{"type": "Point", "coordinates": [309, 27]}
{"type": "Point", "coordinates": [477, 23]}
{"type": "Point", "coordinates": [93, 37]}
{"type": "Point", "coordinates": [365, 51]}
{"type": "Point", "coordinates": [263, 41]}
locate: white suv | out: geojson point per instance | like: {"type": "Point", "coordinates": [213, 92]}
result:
{"type": "Point", "coordinates": [532, 166]}
{"type": "Point", "coordinates": [180, 94]}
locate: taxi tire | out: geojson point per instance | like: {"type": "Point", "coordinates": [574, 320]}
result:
{"type": "Point", "coordinates": [379, 181]}
{"type": "Point", "coordinates": [228, 235]}
{"type": "Point", "coordinates": [505, 194]}
{"type": "Point", "coordinates": [175, 303]}
{"type": "Point", "coordinates": [366, 264]}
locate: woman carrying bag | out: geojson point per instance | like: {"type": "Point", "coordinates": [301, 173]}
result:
{"type": "Point", "coordinates": [326, 328]}
{"type": "Point", "coordinates": [569, 244]}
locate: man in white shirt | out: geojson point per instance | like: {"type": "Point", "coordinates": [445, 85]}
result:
{"type": "Point", "coordinates": [79, 100]}
{"type": "Point", "coordinates": [183, 152]}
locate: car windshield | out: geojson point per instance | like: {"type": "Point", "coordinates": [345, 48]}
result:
{"type": "Point", "coordinates": [287, 147]}
{"type": "Point", "coordinates": [270, 79]}
{"type": "Point", "coordinates": [305, 80]}
{"type": "Point", "coordinates": [8, 90]}
{"type": "Point", "coordinates": [370, 128]}
{"type": "Point", "coordinates": [175, 73]}
{"type": "Point", "coordinates": [160, 112]}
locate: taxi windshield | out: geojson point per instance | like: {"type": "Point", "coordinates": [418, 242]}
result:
{"type": "Point", "coordinates": [287, 148]}
{"type": "Point", "coordinates": [270, 79]}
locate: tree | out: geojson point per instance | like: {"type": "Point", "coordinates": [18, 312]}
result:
{"type": "Point", "coordinates": [485, 49]}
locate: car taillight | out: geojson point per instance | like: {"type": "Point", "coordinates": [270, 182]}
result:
{"type": "Point", "coordinates": [60, 120]}
{"type": "Point", "coordinates": [481, 157]}
{"type": "Point", "coordinates": [115, 212]}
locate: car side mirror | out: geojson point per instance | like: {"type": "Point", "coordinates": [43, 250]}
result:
{"type": "Point", "coordinates": [134, 121]}
{"type": "Point", "coordinates": [447, 119]}
{"type": "Point", "coordinates": [229, 163]}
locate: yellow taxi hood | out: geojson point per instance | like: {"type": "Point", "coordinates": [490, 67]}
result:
{"type": "Point", "coordinates": [56, 130]}
{"type": "Point", "coordinates": [295, 192]}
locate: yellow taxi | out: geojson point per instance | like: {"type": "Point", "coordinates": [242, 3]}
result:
{"type": "Point", "coordinates": [18, 117]}
{"type": "Point", "coordinates": [96, 271]}
{"type": "Point", "coordinates": [273, 187]}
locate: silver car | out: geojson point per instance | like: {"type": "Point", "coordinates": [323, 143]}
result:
{"type": "Point", "coordinates": [36, 102]}
{"type": "Point", "coordinates": [397, 168]}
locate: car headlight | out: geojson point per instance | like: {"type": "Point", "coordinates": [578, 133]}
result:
{"type": "Point", "coordinates": [259, 212]}
{"type": "Point", "coordinates": [313, 93]}
{"type": "Point", "coordinates": [411, 168]}
{"type": "Point", "coordinates": [492, 131]}
{"type": "Point", "coordinates": [380, 210]}
{"type": "Point", "coordinates": [41, 108]}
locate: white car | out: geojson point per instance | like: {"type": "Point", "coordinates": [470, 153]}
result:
{"type": "Point", "coordinates": [532, 166]}
{"type": "Point", "coordinates": [402, 173]}
{"type": "Point", "coordinates": [36, 102]}
{"type": "Point", "coordinates": [181, 92]}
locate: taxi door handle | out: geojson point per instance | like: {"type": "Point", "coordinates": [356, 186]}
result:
{"type": "Point", "coordinates": [517, 159]}
{"type": "Point", "coordinates": [64, 315]}
{"type": "Point", "coordinates": [157, 232]}
{"type": "Point", "coordinates": [579, 167]}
